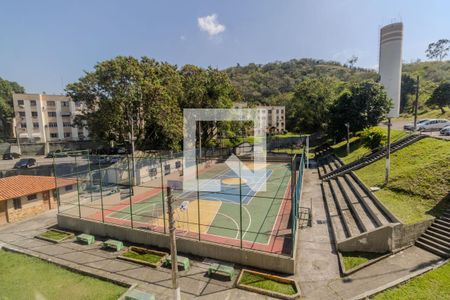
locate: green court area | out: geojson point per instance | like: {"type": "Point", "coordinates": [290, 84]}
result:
{"type": "Point", "coordinates": [220, 213]}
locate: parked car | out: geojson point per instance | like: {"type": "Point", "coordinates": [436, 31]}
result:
{"type": "Point", "coordinates": [57, 153]}
{"type": "Point", "coordinates": [445, 130]}
{"type": "Point", "coordinates": [25, 163]}
{"type": "Point", "coordinates": [410, 126]}
{"type": "Point", "coordinates": [435, 124]}
{"type": "Point", "coordinates": [10, 156]}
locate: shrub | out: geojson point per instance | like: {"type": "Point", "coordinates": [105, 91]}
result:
{"type": "Point", "coordinates": [373, 137]}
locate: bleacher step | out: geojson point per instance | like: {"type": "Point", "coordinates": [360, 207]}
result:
{"type": "Point", "coordinates": [432, 249]}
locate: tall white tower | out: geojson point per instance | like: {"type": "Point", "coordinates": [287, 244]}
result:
{"type": "Point", "coordinates": [390, 64]}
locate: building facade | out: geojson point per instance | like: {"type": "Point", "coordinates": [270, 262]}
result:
{"type": "Point", "coordinates": [42, 118]}
{"type": "Point", "coordinates": [24, 196]}
{"type": "Point", "coordinates": [273, 118]}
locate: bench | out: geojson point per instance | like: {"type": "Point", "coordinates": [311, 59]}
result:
{"type": "Point", "coordinates": [138, 295]}
{"type": "Point", "coordinates": [86, 238]}
{"type": "Point", "coordinates": [216, 268]}
{"type": "Point", "coordinates": [181, 262]}
{"type": "Point", "coordinates": [113, 244]}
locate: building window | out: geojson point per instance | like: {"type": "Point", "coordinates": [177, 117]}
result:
{"type": "Point", "coordinates": [52, 113]}
{"type": "Point", "coordinates": [32, 197]}
{"type": "Point", "coordinates": [51, 103]}
{"type": "Point", "coordinates": [52, 124]}
{"type": "Point", "coordinates": [68, 188]}
{"type": "Point", "coordinates": [32, 102]}
{"type": "Point", "coordinates": [23, 125]}
{"type": "Point", "coordinates": [65, 103]}
{"type": "Point", "coordinates": [22, 114]}
{"type": "Point", "coordinates": [17, 203]}
{"type": "Point", "coordinates": [67, 134]}
{"type": "Point", "coordinates": [66, 124]}
{"type": "Point", "coordinates": [53, 135]}
{"type": "Point", "coordinates": [19, 102]}
{"type": "Point", "coordinates": [34, 114]}
{"type": "Point", "coordinates": [35, 125]}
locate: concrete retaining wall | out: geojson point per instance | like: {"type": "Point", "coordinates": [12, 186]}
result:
{"type": "Point", "coordinates": [257, 259]}
{"type": "Point", "coordinates": [378, 240]}
{"type": "Point", "coordinates": [406, 234]}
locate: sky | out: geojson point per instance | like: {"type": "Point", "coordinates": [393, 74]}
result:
{"type": "Point", "coordinates": [47, 44]}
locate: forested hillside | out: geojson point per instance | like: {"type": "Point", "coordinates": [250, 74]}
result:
{"type": "Point", "coordinates": [271, 82]}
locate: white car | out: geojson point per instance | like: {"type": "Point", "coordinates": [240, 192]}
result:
{"type": "Point", "coordinates": [445, 130]}
{"type": "Point", "coordinates": [435, 124]}
{"type": "Point", "coordinates": [410, 126]}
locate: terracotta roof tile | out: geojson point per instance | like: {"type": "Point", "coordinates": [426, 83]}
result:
{"type": "Point", "coordinates": [23, 185]}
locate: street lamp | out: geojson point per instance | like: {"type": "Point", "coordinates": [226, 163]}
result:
{"type": "Point", "coordinates": [347, 125]}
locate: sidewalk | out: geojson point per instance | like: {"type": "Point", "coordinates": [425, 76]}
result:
{"type": "Point", "coordinates": [318, 269]}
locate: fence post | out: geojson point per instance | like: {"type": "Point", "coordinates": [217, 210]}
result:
{"type": "Point", "coordinates": [58, 200]}
{"type": "Point", "coordinates": [131, 191]}
{"type": "Point", "coordinates": [240, 202]}
{"type": "Point", "coordinates": [101, 191]}
{"type": "Point", "coordinates": [162, 193]}
{"type": "Point", "coordinates": [198, 196]}
{"type": "Point", "coordinates": [78, 188]}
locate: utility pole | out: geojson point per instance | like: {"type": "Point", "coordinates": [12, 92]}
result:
{"type": "Point", "coordinates": [347, 125]}
{"type": "Point", "coordinates": [388, 153]}
{"type": "Point", "coordinates": [173, 246]}
{"type": "Point", "coordinates": [416, 103]}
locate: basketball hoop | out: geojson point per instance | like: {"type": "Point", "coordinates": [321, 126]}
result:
{"type": "Point", "coordinates": [184, 205]}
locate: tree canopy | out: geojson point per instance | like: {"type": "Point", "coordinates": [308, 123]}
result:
{"type": "Point", "coordinates": [308, 109]}
{"type": "Point", "coordinates": [148, 95]}
{"type": "Point", "coordinates": [362, 105]}
{"type": "Point", "coordinates": [7, 89]}
{"type": "Point", "coordinates": [440, 96]}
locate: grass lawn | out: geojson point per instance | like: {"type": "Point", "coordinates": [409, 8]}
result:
{"type": "Point", "coordinates": [148, 257]}
{"type": "Point", "coordinates": [427, 114]}
{"type": "Point", "coordinates": [432, 285]}
{"type": "Point", "coordinates": [267, 284]}
{"type": "Point", "coordinates": [354, 258]}
{"type": "Point", "coordinates": [419, 183]}
{"type": "Point", "coordinates": [24, 277]}
{"type": "Point", "coordinates": [357, 149]}
{"type": "Point", "coordinates": [55, 235]}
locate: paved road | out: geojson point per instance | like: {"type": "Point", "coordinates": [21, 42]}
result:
{"type": "Point", "coordinates": [398, 124]}
{"type": "Point", "coordinates": [41, 160]}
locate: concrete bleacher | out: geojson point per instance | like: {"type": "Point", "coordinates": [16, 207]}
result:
{"type": "Point", "coordinates": [352, 208]}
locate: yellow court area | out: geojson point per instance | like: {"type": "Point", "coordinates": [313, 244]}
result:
{"type": "Point", "coordinates": [255, 165]}
{"type": "Point", "coordinates": [188, 219]}
{"type": "Point", "coordinates": [234, 180]}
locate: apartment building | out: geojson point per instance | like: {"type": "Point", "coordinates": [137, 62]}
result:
{"type": "Point", "coordinates": [41, 118]}
{"type": "Point", "coordinates": [272, 116]}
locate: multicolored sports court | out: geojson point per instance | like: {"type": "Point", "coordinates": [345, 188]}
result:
{"type": "Point", "coordinates": [241, 214]}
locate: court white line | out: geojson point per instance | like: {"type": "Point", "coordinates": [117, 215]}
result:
{"type": "Point", "coordinates": [249, 223]}
{"type": "Point", "coordinates": [237, 225]}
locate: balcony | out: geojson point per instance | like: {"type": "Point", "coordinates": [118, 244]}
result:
{"type": "Point", "coordinates": [66, 114]}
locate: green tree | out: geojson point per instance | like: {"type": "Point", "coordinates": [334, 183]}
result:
{"type": "Point", "coordinates": [7, 89]}
{"type": "Point", "coordinates": [363, 105]}
{"type": "Point", "coordinates": [408, 89]}
{"type": "Point", "coordinates": [308, 110]}
{"type": "Point", "coordinates": [438, 50]}
{"type": "Point", "coordinates": [373, 137]}
{"type": "Point", "coordinates": [440, 96]}
{"type": "Point", "coordinates": [125, 92]}
{"type": "Point", "coordinates": [209, 88]}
